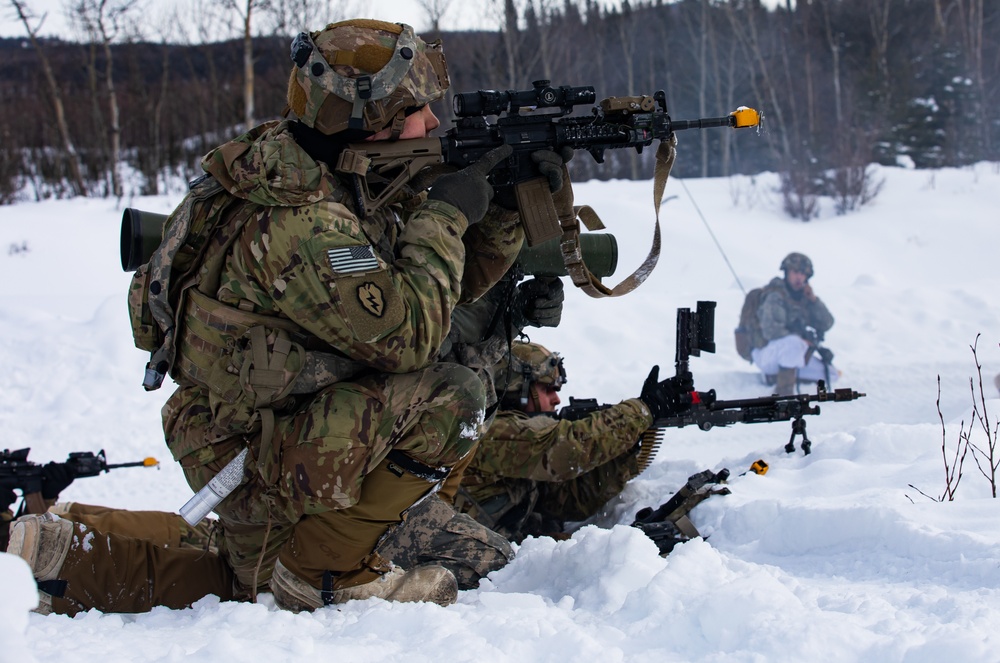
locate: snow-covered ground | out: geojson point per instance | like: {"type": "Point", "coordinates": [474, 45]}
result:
{"type": "Point", "coordinates": [827, 557]}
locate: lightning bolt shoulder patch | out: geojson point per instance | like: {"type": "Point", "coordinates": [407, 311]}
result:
{"type": "Point", "coordinates": [368, 300]}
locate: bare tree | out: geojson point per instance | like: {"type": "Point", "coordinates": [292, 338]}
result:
{"type": "Point", "coordinates": [878, 17]}
{"type": "Point", "coordinates": [436, 9]}
{"type": "Point", "coordinates": [986, 454]}
{"type": "Point", "coordinates": [286, 18]}
{"type": "Point", "coordinates": [72, 158]}
{"type": "Point", "coordinates": [627, 25]}
{"type": "Point", "coordinates": [103, 21]}
{"type": "Point", "coordinates": [244, 9]}
{"type": "Point", "coordinates": [971, 24]}
{"type": "Point", "coordinates": [507, 14]}
{"type": "Point", "coordinates": [952, 469]}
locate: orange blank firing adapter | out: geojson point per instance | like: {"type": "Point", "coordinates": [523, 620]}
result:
{"type": "Point", "coordinates": [745, 117]}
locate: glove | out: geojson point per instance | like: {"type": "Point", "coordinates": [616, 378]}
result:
{"type": "Point", "coordinates": [539, 302]}
{"type": "Point", "coordinates": [552, 165]}
{"type": "Point", "coordinates": [664, 398]}
{"type": "Point", "coordinates": [825, 355]}
{"type": "Point", "coordinates": [468, 189]}
{"type": "Point", "coordinates": [55, 479]}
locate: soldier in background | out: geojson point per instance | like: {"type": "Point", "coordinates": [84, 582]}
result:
{"type": "Point", "coordinates": [344, 441]}
{"type": "Point", "coordinates": [533, 472]}
{"type": "Point", "coordinates": [792, 322]}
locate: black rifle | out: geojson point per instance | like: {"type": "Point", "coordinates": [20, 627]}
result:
{"type": "Point", "coordinates": [528, 121]}
{"type": "Point", "coordinates": [19, 473]}
{"type": "Point", "coordinates": [579, 408]}
{"type": "Point", "coordinates": [668, 524]}
{"type": "Point", "coordinates": [695, 333]}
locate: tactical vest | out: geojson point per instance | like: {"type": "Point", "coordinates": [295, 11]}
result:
{"type": "Point", "coordinates": [248, 362]}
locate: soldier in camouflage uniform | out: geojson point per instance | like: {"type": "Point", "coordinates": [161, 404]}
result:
{"type": "Point", "coordinates": [534, 472]}
{"type": "Point", "coordinates": [792, 321]}
{"type": "Point", "coordinates": [316, 352]}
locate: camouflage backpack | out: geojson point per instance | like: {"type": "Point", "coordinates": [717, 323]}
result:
{"type": "Point", "coordinates": [158, 294]}
{"type": "Point", "coordinates": [748, 334]}
{"type": "Point", "coordinates": [249, 363]}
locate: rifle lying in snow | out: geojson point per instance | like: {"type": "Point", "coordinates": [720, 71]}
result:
{"type": "Point", "coordinates": [668, 524]}
{"type": "Point", "coordinates": [528, 121]}
{"type": "Point", "coordinates": [19, 473]}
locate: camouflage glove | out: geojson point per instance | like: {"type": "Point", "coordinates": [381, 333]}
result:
{"type": "Point", "coordinates": [538, 302]}
{"type": "Point", "coordinates": [56, 477]}
{"type": "Point", "coordinates": [468, 189]}
{"type": "Point", "coordinates": [667, 397]}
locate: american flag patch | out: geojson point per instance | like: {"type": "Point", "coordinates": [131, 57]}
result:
{"type": "Point", "coordinates": [350, 259]}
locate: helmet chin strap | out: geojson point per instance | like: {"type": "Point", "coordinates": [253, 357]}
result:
{"type": "Point", "coordinates": [526, 381]}
{"type": "Point", "coordinates": [397, 124]}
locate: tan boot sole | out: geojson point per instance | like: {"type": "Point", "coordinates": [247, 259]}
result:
{"type": "Point", "coordinates": [26, 542]}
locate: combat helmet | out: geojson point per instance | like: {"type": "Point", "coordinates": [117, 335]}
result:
{"type": "Point", "coordinates": [363, 74]}
{"type": "Point", "coordinates": [525, 365]}
{"type": "Point", "coordinates": [798, 262]}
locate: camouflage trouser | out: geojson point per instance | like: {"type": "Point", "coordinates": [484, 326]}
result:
{"type": "Point", "coordinates": [583, 497]}
{"type": "Point", "coordinates": [434, 532]}
{"type": "Point", "coordinates": [543, 508]}
{"type": "Point", "coordinates": [324, 451]}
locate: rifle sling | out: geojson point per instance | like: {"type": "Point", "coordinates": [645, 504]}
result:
{"type": "Point", "coordinates": [570, 242]}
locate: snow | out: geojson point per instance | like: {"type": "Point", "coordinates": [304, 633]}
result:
{"type": "Point", "coordinates": [834, 556]}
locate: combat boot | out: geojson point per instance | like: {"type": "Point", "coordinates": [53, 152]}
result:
{"type": "Point", "coordinates": [432, 583]}
{"type": "Point", "coordinates": [786, 383]}
{"type": "Point", "coordinates": [43, 541]}
{"type": "Point", "coordinates": [331, 556]}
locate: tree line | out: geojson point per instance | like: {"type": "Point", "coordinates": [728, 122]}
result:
{"type": "Point", "coordinates": [842, 84]}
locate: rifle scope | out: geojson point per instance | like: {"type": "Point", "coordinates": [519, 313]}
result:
{"type": "Point", "coordinates": [141, 234]}
{"type": "Point", "coordinates": [494, 102]}
{"type": "Point", "coordinates": [600, 253]}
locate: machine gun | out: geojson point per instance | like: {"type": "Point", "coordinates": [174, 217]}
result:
{"type": "Point", "coordinates": [528, 121]}
{"type": "Point", "coordinates": [696, 333]}
{"type": "Point", "coordinates": [19, 473]}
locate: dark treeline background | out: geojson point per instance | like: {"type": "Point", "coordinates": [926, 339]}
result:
{"type": "Point", "coordinates": [842, 84]}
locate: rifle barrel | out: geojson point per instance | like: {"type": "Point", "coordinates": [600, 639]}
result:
{"type": "Point", "coordinates": [703, 123]}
